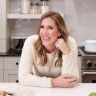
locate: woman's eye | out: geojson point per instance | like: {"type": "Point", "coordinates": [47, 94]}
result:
{"type": "Point", "coordinates": [50, 27]}
{"type": "Point", "coordinates": [41, 26]}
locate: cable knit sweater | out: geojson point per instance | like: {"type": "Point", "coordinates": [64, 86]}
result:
{"type": "Point", "coordinates": [31, 73]}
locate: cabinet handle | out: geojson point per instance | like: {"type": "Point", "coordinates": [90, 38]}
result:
{"type": "Point", "coordinates": [17, 81]}
{"type": "Point", "coordinates": [86, 73]}
{"type": "Point", "coordinates": [17, 63]}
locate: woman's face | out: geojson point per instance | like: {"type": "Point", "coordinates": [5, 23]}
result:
{"type": "Point", "coordinates": [48, 32]}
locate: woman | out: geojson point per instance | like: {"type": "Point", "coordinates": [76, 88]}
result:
{"type": "Point", "coordinates": [49, 59]}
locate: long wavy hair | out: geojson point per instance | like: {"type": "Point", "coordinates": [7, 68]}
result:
{"type": "Point", "coordinates": [59, 21]}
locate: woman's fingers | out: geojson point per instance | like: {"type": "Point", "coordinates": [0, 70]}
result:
{"type": "Point", "coordinates": [72, 80]}
{"type": "Point", "coordinates": [67, 76]}
{"type": "Point", "coordinates": [71, 84]}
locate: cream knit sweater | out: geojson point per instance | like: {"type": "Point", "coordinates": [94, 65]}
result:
{"type": "Point", "coordinates": [31, 73]}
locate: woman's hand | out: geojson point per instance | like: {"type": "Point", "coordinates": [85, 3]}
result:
{"type": "Point", "coordinates": [61, 45]}
{"type": "Point", "coordinates": [64, 81]}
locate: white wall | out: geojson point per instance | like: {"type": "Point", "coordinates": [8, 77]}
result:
{"type": "Point", "coordinates": [86, 12]}
{"type": "Point", "coordinates": [81, 20]}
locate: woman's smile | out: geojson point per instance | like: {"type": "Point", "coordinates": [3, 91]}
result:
{"type": "Point", "coordinates": [46, 38]}
{"type": "Point", "coordinates": [47, 41]}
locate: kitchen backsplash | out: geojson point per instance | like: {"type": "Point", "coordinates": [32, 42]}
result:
{"type": "Point", "coordinates": [22, 28]}
{"type": "Point", "coordinates": [86, 14]}
{"type": "Point", "coordinates": [80, 17]}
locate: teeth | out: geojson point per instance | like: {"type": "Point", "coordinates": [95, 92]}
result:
{"type": "Point", "coordinates": [46, 38]}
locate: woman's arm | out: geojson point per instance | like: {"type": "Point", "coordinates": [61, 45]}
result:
{"type": "Point", "coordinates": [70, 64]}
{"type": "Point", "coordinates": [26, 65]}
{"type": "Point", "coordinates": [70, 70]}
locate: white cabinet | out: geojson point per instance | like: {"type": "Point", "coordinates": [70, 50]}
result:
{"type": "Point", "coordinates": [10, 76]}
{"type": "Point", "coordinates": [7, 23]}
{"type": "Point", "coordinates": [11, 69]}
{"type": "Point", "coordinates": [1, 69]}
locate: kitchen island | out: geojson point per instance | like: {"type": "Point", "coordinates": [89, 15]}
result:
{"type": "Point", "coordinates": [83, 89]}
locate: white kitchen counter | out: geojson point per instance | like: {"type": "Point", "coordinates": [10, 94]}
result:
{"type": "Point", "coordinates": [83, 89]}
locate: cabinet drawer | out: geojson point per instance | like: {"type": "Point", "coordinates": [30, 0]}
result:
{"type": "Point", "coordinates": [11, 62]}
{"type": "Point", "coordinates": [10, 76]}
{"type": "Point", "coordinates": [1, 62]}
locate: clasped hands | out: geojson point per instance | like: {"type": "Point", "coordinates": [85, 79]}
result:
{"type": "Point", "coordinates": [64, 81]}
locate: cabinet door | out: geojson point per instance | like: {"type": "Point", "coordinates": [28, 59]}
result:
{"type": "Point", "coordinates": [11, 63]}
{"type": "Point", "coordinates": [1, 69]}
{"type": "Point", "coordinates": [11, 69]}
{"type": "Point", "coordinates": [10, 76]}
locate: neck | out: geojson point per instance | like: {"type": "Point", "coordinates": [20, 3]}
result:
{"type": "Point", "coordinates": [50, 49]}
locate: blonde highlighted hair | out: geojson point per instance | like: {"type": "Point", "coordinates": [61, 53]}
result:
{"type": "Point", "coordinates": [59, 21]}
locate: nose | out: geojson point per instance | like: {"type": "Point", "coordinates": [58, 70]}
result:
{"type": "Point", "coordinates": [46, 31]}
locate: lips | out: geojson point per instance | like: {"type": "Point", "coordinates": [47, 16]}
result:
{"type": "Point", "coordinates": [46, 38]}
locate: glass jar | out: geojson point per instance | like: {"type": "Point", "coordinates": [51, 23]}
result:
{"type": "Point", "coordinates": [35, 8]}
{"type": "Point", "coordinates": [15, 6]}
{"type": "Point", "coordinates": [25, 6]}
{"type": "Point", "coordinates": [44, 6]}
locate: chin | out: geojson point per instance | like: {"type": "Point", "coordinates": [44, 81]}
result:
{"type": "Point", "coordinates": [45, 44]}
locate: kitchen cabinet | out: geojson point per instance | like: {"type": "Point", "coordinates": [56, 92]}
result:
{"type": "Point", "coordinates": [11, 69]}
{"type": "Point", "coordinates": [10, 76]}
{"type": "Point", "coordinates": [1, 69]}
{"type": "Point", "coordinates": [7, 24]}
{"type": "Point", "coordinates": [20, 25]}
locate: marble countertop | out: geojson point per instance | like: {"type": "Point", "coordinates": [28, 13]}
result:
{"type": "Point", "coordinates": [14, 52]}
{"type": "Point", "coordinates": [82, 89]}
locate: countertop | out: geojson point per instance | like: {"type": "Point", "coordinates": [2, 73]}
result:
{"type": "Point", "coordinates": [82, 89]}
{"type": "Point", "coordinates": [13, 52]}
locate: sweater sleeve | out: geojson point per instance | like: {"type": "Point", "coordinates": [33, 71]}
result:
{"type": "Point", "coordinates": [70, 65]}
{"type": "Point", "coordinates": [25, 67]}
